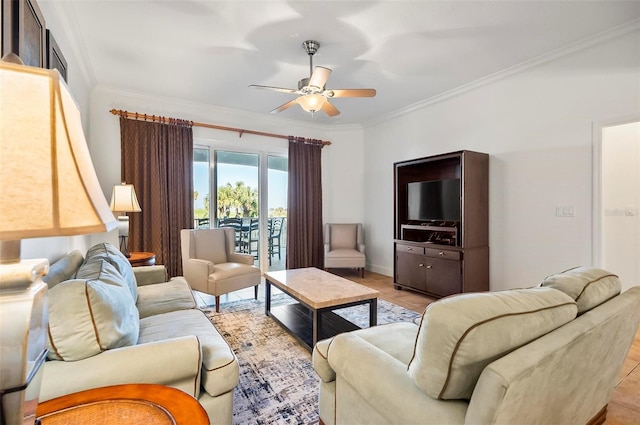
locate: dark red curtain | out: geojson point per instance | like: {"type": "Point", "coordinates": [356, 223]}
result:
{"type": "Point", "coordinates": [157, 158]}
{"type": "Point", "coordinates": [304, 216]}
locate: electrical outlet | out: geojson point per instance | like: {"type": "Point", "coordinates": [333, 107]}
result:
{"type": "Point", "coordinates": [565, 211]}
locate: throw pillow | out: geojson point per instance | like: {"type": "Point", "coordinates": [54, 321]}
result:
{"type": "Point", "coordinates": [111, 254]}
{"type": "Point", "coordinates": [88, 316]}
{"type": "Point", "coordinates": [462, 334]}
{"type": "Point", "coordinates": [64, 268]}
{"type": "Point", "coordinates": [588, 286]}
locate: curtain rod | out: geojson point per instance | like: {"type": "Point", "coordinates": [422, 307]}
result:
{"type": "Point", "coordinates": [240, 131]}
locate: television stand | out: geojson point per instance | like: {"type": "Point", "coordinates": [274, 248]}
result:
{"type": "Point", "coordinates": [436, 257]}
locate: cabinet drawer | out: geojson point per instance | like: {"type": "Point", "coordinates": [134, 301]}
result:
{"type": "Point", "coordinates": [441, 253]}
{"type": "Point", "coordinates": [410, 249]}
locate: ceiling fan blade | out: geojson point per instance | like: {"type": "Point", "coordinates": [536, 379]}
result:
{"type": "Point", "coordinates": [329, 109]}
{"type": "Point", "coordinates": [280, 89]}
{"type": "Point", "coordinates": [351, 93]}
{"type": "Point", "coordinates": [319, 77]}
{"type": "Point", "coordinates": [284, 106]}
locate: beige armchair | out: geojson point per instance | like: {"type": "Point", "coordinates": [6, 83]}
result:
{"type": "Point", "coordinates": [344, 246]}
{"type": "Point", "coordinates": [210, 264]}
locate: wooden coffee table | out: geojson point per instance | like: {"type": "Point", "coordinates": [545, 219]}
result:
{"type": "Point", "coordinates": [318, 293]}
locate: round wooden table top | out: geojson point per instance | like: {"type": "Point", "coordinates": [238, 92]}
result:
{"type": "Point", "coordinates": [142, 259]}
{"type": "Point", "coordinates": [124, 404]}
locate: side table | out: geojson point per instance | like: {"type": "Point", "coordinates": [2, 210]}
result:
{"type": "Point", "coordinates": [142, 259]}
{"type": "Point", "coordinates": [124, 404]}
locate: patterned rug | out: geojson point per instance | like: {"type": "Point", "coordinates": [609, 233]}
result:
{"type": "Point", "coordinates": [277, 382]}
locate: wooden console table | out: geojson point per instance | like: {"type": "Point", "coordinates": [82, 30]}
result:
{"type": "Point", "coordinates": [124, 404]}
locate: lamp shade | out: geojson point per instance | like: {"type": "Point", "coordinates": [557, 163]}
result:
{"type": "Point", "coordinates": [123, 198]}
{"type": "Point", "coordinates": [47, 181]}
{"type": "Point", "coordinates": [311, 102]}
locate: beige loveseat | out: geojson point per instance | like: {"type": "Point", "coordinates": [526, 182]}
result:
{"type": "Point", "coordinates": [112, 324]}
{"type": "Point", "coordinates": [545, 355]}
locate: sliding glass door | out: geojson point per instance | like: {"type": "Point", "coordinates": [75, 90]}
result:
{"type": "Point", "coordinates": [249, 195]}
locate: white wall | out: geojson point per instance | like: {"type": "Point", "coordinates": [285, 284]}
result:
{"type": "Point", "coordinates": [620, 200]}
{"type": "Point", "coordinates": [536, 125]}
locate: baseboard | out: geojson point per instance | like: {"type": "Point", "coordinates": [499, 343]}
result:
{"type": "Point", "coordinates": [599, 417]}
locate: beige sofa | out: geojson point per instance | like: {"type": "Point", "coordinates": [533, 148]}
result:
{"type": "Point", "coordinates": [545, 355]}
{"type": "Point", "coordinates": [112, 324]}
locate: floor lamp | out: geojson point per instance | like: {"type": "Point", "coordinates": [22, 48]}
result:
{"type": "Point", "coordinates": [124, 200]}
{"type": "Point", "coordinates": [48, 187]}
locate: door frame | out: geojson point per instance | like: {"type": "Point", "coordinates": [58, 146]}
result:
{"type": "Point", "coordinates": [596, 184]}
{"type": "Point", "coordinates": [263, 185]}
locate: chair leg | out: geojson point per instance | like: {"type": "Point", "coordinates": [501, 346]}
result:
{"type": "Point", "coordinates": [217, 303]}
{"type": "Point", "coordinates": [362, 272]}
{"type": "Point", "coordinates": [255, 289]}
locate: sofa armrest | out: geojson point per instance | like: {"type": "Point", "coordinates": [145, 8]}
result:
{"type": "Point", "coordinates": [173, 362]}
{"type": "Point", "coordinates": [383, 382]}
{"type": "Point", "coordinates": [147, 275]}
{"type": "Point", "coordinates": [236, 257]}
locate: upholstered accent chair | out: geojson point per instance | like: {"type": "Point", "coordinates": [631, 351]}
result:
{"type": "Point", "coordinates": [344, 246]}
{"type": "Point", "coordinates": [211, 265]}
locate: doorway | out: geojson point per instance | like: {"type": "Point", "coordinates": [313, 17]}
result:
{"type": "Point", "coordinates": [249, 194]}
{"type": "Point", "coordinates": [617, 200]}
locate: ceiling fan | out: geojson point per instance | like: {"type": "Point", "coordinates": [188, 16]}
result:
{"type": "Point", "coordinates": [313, 96]}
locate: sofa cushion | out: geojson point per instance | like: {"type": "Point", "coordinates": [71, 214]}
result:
{"type": "Point", "coordinates": [343, 236]}
{"type": "Point", "coordinates": [110, 253]}
{"type": "Point", "coordinates": [63, 269]}
{"type": "Point", "coordinates": [588, 286]}
{"type": "Point", "coordinates": [394, 339]}
{"type": "Point", "coordinates": [462, 334]}
{"type": "Point", "coordinates": [220, 370]}
{"type": "Point", "coordinates": [165, 297]}
{"type": "Point", "coordinates": [88, 316]}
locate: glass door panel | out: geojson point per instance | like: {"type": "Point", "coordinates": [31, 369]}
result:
{"type": "Point", "coordinates": [277, 177]}
{"type": "Point", "coordinates": [201, 185]}
{"type": "Point", "coordinates": [237, 182]}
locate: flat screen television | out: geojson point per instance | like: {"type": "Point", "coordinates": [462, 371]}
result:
{"type": "Point", "coordinates": [436, 200]}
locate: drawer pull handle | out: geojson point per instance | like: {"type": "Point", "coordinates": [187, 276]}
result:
{"type": "Point", "coordinates": [440, 253]}
{"type": "Point", "coordinates": [420, 265]}
{"type": "Point", "coordinates": [429, 267]}
{"type": "Point", "coordinates": [409, 249]}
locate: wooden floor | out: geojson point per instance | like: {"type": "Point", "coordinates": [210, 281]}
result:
{"type": "Point", "coordinates": [624, 408]}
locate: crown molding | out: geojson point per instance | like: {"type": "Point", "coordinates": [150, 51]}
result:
{"type": "Point", "coordinates": [273, 123]}
{"type": "Point", "coordinates": [68, 20]}
{"type": "Point", "coordinates": [577, 46]}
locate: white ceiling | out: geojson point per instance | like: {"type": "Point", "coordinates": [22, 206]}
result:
{"type": "Point", "coordinates": [409, 51]}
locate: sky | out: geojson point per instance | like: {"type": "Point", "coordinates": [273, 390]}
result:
{"type": "Point", "coordinates": [234, 173]}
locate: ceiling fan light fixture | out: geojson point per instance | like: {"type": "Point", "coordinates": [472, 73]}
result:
{"type": "Point", "coordinates": [311, 102]}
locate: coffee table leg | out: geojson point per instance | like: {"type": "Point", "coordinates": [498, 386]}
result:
{"type": "Point", "coordinates": [373, 312]}
{"type": "Point", "coordinates": [316, 324]}
{"type": "Point", "coordinates": [267, 297]}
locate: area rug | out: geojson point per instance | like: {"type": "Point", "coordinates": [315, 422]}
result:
{"type": "Point", "coordinates": [277, 382]}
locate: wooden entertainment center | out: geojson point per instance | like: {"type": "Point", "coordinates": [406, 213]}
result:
{"type": "Point", "coordinates": [445, 249]}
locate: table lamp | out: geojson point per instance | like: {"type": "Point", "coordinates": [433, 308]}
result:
{"type": "Point", "coordinates": [48, 187]}
{"type": "Point", "coordinates": [123, 200]}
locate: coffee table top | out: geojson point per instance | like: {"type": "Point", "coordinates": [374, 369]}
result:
{"type": "Point", "coordinates": [319, 289]}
